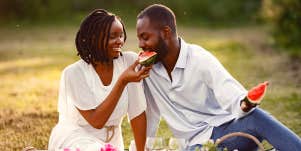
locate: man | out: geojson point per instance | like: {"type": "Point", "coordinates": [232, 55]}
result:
{"type": "Point", "coordinates": [196, 96]}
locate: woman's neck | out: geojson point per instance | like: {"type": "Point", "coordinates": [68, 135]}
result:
{"type": "Point", "coordinates": [103, 65]}
{"type": "Point", "coordinates": [105, 72]}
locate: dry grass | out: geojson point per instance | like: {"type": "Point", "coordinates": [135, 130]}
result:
{"type": "Point", "coordinates": [31, 60]}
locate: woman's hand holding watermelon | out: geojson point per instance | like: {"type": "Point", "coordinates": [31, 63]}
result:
{"type": "Point", "coordinates": [254, 97]}
{"type": "Point", "coordinates": [131, 75]}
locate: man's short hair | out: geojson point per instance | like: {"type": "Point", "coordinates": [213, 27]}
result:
{"type": "Point", "coordinates": [159, 15]}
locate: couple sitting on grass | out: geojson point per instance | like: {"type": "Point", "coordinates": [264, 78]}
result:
{"type": "Point", "coordinates": [186, 86]}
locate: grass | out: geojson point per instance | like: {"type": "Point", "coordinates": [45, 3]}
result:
{"type": "Point", "coordinates": [32, 58]}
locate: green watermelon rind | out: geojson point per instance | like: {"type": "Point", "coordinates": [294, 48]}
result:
{"type": "Point", "coordinates": [149, 61]}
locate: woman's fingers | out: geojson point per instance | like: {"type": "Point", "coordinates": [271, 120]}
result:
{"type": "Point", "coordinates": [143, 71]}
{"type": "Point", "coordinates": [144, 76]}
{"type": "Point", "coordinates": [134, 65]}
{"type": "Point", "coordinates": [135, 75]}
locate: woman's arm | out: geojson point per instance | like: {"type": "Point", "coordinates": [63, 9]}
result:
{"type": "Point", "coordinates": [139, 129]}
{"type": "Point", "coordinates": [105, 109]}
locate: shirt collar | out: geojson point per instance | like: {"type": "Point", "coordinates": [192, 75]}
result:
{"type": "Point", "coordinates": [182, 59]}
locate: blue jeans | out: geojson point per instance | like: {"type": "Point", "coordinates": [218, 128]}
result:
{"type": "Point", "coordinates": [261, 125]}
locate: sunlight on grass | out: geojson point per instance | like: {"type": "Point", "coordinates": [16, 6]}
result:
{"type": "Point", "coordinates": [23, 63]}
{"type": "Point", "coordinates": [31, 61]}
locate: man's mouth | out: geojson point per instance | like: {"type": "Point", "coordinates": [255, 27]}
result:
{"type": "Point", "coordinates": [149, 49]}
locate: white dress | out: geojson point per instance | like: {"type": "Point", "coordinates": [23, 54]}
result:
{"type": "Point", "coordinates": [81, 87]}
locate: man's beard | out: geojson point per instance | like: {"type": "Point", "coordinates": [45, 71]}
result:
{"type": "Point", "coordinates": [162, 50]}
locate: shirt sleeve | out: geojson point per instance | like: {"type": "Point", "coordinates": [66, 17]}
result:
{"type": "Point", "coordinates": [152, 113]}
{"type": "Point", "coordinates": [137, 103]}
{"type": "Point", "coordinates": [228, 91]}
{"type": "Point", "coordinates": [77, 90]}
{"type": "Point", "coordinates": [136, 97]}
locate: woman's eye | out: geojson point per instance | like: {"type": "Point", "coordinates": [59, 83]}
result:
{"type": "Point", "coordinates": [112, 36]}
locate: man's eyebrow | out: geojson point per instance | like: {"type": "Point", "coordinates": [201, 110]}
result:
{"type": "Point", "coordinates": [142, 34]}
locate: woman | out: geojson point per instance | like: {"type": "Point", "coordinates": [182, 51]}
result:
{"type": "Point", "coordinates": [96, 91]}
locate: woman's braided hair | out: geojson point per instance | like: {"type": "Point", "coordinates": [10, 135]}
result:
{"type": "Point", "coordinates": [93, 36]}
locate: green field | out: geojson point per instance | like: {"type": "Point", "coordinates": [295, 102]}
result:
{"type": "Point", "coordinates": [31, 60]}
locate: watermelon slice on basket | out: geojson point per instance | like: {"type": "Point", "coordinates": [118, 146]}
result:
{"type": "Point", "coordinates": [256, 94]}
{"type": "Point", "coordinates": [146, 58]}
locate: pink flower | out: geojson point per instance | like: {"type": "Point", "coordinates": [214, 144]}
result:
{"type": "Point", "coordinates": [108, 147]}
{"type": "Point", "coordinates": [68, 149]}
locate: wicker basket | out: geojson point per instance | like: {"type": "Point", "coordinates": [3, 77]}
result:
{"type": "Point", "coordinates": [220, 140]}
{"type": "Point", "coordinates": [30, 148]}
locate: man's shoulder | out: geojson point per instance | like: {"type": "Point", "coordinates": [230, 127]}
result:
{"type": "Point", "coordinates": [200, 59]}
{"type": "Point", "coordinates": [197, 52]}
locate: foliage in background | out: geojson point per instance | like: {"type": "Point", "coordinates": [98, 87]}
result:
{"type": "Point", "coordinates": [189, 12]}
{"type": "Point", "coordinates": [285, 18]}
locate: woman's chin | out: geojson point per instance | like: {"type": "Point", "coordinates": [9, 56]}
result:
{"type": "Point", "coordinates": [116, 56]}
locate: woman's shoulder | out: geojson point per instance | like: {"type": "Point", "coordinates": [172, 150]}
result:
{"type": "Point", "coordinates": [75, 67]}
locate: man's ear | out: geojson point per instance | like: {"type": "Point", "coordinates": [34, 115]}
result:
{"type": "Point", "coordinates": [166, 32]}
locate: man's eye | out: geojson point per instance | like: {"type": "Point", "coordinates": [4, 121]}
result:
{"type": "Point", "coordinates": [144, 37]}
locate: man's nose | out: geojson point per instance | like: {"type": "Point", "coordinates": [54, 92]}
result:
{"type": "Point", "coordinates": [141, 44]}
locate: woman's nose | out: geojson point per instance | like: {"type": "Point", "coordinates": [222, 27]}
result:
{"type": "Point", "coordinates": [119, 40]}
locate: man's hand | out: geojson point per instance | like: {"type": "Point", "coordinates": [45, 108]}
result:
{"type": "Point", "coordinates": [254, 97]}
{"type": "Point", "coordinates": [246, 106]}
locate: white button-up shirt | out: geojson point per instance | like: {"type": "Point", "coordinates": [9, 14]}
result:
{"type": "Point", "coordinates": [201, 95]}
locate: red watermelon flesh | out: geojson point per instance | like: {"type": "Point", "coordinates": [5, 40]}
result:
{"type": "Point", "coordinates": [147, 58]}
{"type": "Point", "coordinates": [256, 94]}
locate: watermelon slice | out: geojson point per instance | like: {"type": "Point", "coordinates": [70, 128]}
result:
{"type": "Point", "coordinates": [256, 94]}
{"type": "Point", "coordinates": [146, 58]}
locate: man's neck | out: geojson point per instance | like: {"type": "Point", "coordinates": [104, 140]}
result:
{"type": "Point", "coordinates": [170, 60]}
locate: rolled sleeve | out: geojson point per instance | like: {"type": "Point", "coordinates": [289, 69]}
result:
{"type": "Point", "coordinates": [237, 108]}
{"type": "Point", "coordinates": [228, 91]}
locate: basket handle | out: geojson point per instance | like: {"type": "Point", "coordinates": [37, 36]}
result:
{"type": "Point", "coordinates": [243, 135]}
